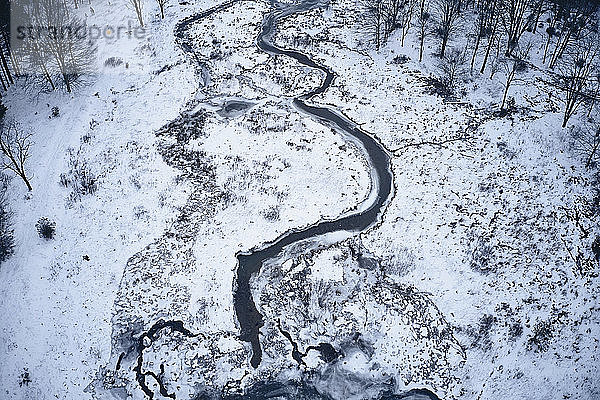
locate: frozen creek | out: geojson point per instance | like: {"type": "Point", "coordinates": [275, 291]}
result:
{"type": "Point", "coordinates": [249, 263]}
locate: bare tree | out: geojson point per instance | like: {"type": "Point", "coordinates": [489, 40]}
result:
{"type": "Point", "coordinates": [138, 6]}
{"type": "Point", "coordinates": [15, 144]}
{"type": "Point", "coordinates": [513, 16]}
{"type": "Point", "coordinates": [36, 55]}
{"type": "Point", "coordinates": [71, 53]}
{"type": "Point", "coordinates": [554, 12]}
{"type": "Point", "coordinates": [447, 15]}
{"type": "Point", "coordinates": [7, 240]}
{"type": "Point", "coordinates": [391, 8]}
{"type": "Point", "coordinates": [6, 75]}
{"type": "Point", "coordinates": [162, 4]}
{"type": "Point", "coordinates": [9, 68]}
{"type": "Point", "coordinates": [374, 20]}
{"type": "Point", "coordinates": [423, 29]}
{"type": "Point", "coordinates": [452, 67]}
{"type": "Point", "coordinates": [59, 49]}
{"type": "Point", "coordinates": [404, 17]}
{"type": "Point", "coordinates": [595, 92]}
{"type": "Point", "coordinates": [485, 23]}
{"type": "Point", "coordinates": [512, 66]}
{"type": "Point", "coordinates": [537, 11]}
{"type": "Point", "coordinates": [576, 75]}
{"type": "Point", "coordinates": [492, 38]}
{"type": "Point", "coordinates": [11, 54]}
{"type": "Point", "coordinates": [586, 142]}
{"type": "Point", "coordinates": [575, 19]}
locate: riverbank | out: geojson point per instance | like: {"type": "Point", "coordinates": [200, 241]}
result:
{"type": "Point", "coordinates": [62, 338]}
{"type": "Point", "coordinates": [481, 216]}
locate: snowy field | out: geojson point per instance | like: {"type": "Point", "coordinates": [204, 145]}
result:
{"type": "Point", "coordinates": [498, 186]}
{"type": "Point", "coordinates": [199, 154]}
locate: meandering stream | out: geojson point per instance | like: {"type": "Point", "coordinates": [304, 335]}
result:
{"type": "Point", "coordinates": [249, 263]}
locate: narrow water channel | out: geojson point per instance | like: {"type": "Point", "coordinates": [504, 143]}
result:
{"type": "Point", "coordinates": [249, 263]}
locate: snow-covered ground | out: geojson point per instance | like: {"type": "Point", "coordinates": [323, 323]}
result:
{"type": "Point", "coordinates": [58, 295]}
{"type": "Point", "coordinates": [471, 257]}
{"type": "Point", "coordinates": [484, 215]}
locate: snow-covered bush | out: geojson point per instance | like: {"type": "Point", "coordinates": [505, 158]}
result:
{"type": "Point", "coordinates": [113, 62]}
{"type": "Point", "coordinates": [483, 259]}
{"type": "Point", "coordinates": [271, 214]}
{"type": "Point", "coordinates": [24, 378]}
{"type": "Point", "coordinates": [7, 242]}
{"type": "Point", "coordinates": [515, 330]}
{"type": "Point", "coordinates": [452, 69]}
{"type": "Point", "coordinates": [482, 336]}
{"type": "Point", "coordinates": [400, 59]}
{"type": "Point", "coordinates": [80, 177]}
{"type": "Point", "coordinates": [542, 334]}
{"type": "Point", "coordinates": [397, 260]}
{"type": "Point", "coordinates": [55, 112]}
{"type": "Point", "coordinates": [46, 228]}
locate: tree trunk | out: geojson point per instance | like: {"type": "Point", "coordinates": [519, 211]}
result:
{"type": "Point", "coordinates": [487, 52]}
{"type": "Point", "coordinates": [14, 63]}
{"type": "Point", "coordinates": [560, 48]}
{"type": "Point", "coordinates": [67, 83]}
{"type": "Point", "coordinates": [406, 26]}
{"type": "Point", "coordinates": [47, 76]}
{"type": "Point", "coordinates": [2, 81]}
{"type": "Point", "coordinates": [593, 152]}
{"type": "Point", "coordinates": [475, 51]}
{"type": "Point", "coordinates": [6, 69]}
{"type": "Point", "coordinates": [444, 43]}
{"type": "Point", "coordinates": [29, 188]}
{"type": "Point", "coordinates": [505, 95]}
{"type": "Point", "coordinates": [566, 117]}
{"type": "Point", "coordinates": [546, 49]}
{"type": "Point", "coordinates": [538, 14]}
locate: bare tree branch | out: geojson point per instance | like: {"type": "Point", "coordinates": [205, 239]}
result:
{"type": "Point", "coordinates": [15, 146]}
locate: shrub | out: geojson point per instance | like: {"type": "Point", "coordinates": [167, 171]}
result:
{"type": "Point", "coordinates": [46, 228]}
{"type": "Point", "coordinates": [7, 242]}
{"type": "Point", "coordinates": [401, 59]}
{"type": "Point", "coordinates": [185, 128]}
{"type": "Point", "coordinates": [113, 62]}
{"type": "Point", "coordinates": [542, 334]}
{"type": "Point", "coordinates": [271, 214]}
{"type": "Point", "coordinates": [585, 143]}
{"type": "Point", "coordinates": [515, 330]}
{"type": "Point", "coordinates": [483, 258]}
{"type": "Point", "coordinates": [24, 378]}
{"type": "Point", "coordinates": [80, 177]}
{"type": "Point", "coordinates": [452, 70]}
{"type": "Point", "coordinates": [596, 248]}
{"type": "Point", "coordinates": [482, 335]}
{"type": "Point", "coordinates": [397, 260]}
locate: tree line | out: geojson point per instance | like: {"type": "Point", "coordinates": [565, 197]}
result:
{"type": "Point", "coordinates": [52, 50]}
{"type": "Point", "coordinates": [496, 29]}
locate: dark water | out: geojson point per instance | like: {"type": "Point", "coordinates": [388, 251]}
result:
{"type": "Point", "coordinates": [145, 340]}
{"type": "Point", "coordinates": [249, 263]}
{"type": "Point", "coordinates": [303, 391]}
{"type": "Point", "coordinates": [232, 108]}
